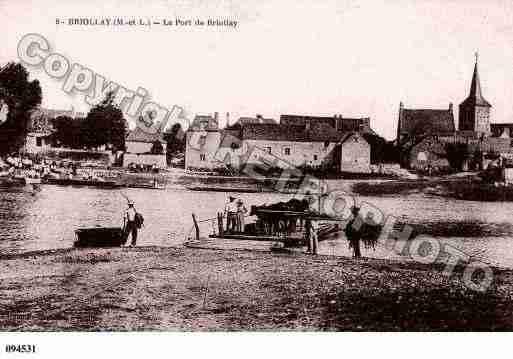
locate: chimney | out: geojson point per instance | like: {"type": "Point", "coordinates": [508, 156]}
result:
{"type": "Point", "coordinates": [227, 119]}
{"type": "Point", "coordinates": [450, 106]}
{"type": "Point", "coordinates": [216, 116]}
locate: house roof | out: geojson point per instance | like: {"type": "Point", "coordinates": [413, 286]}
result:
{"type": "Point", "coordinates": [348, 135]}
{"type": "Point", "coordinates": [318, 132]}
{"type": "Point", "coordinates": [419, 121]}
{"type": "Point", "coordinates": [243, 121]}
{"type": "Point", "coordinates": [273, 132]}
{"type": "Point", "coordinates": [338, 122]}
{"type": "Point", "coordinates": [138, 135]}
{"type": "Point", "coordinates": [204, 122]}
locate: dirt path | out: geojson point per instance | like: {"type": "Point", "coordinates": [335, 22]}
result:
{"type": "Point", "coordinates": [153, 288]}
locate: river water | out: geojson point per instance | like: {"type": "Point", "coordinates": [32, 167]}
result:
{"type": "Point", "coordinates": [47, 219]}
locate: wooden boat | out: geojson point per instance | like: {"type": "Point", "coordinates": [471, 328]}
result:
{"type": "Point", "coordinates": [145, 186]}
{"type": "Point", "coordinates": [224, 189]}
{"type": "Point", "coordinates": [283, 225]}
{"type": "Point", "coordinates": [83, 182]}
{"type": "Point", "coordinates": [99, 237]}
{"type": "Point", "coordinates": [258, 189]}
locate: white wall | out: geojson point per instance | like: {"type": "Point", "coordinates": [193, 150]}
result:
{"type": "Point", "coordinates": [145, 159]}
{"type": "Point", "coordinates": [31, 144]}
{"type": "Point", "coordinates": [355, 155]}
{"type": "Point", "coordinates": [301, 153]}
{"type": "Point", "coordinates": [141, 147]}
{"type": "Point", "coordinates": [199, 144]}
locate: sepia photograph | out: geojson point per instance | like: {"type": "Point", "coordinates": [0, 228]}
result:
{"type": "Point", "coordinates": [255, 167]}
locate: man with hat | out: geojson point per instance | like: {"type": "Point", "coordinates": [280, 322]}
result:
{"type": "Point", "coordinates": [131, 226]}
{"type": "Point", "coordinates": [230, 211]}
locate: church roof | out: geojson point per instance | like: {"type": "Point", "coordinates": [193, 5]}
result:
{"type": "Point", "coordinates": [423, 121]}
{"type": "Point", "coordinates": [475, 97]}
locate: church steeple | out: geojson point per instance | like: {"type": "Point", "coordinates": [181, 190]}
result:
{"type": "Point", "coordinates": [475, 96]}
{"type": "Point", "coordinates": [474, 112]}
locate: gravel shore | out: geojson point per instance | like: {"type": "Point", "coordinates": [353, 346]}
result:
{"type": "Point", "coordinates": [152, 288]}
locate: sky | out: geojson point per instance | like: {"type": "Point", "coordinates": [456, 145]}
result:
{"type": "Point", "coordinates": [319, 57]}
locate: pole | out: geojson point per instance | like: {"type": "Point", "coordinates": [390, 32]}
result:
{"type": "Point", "coordinates": [220, 224]}
{"type": "Point", "coordinates": [196, 226]}
{"type": "Point", "coordinates": [315, 239]}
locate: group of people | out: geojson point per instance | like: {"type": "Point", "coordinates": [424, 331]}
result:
{"type": "Point", "coordinates": [18, 165]}
{"type": "Point", "coordinates": [235, 211]}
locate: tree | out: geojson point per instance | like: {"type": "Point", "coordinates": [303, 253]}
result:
{"type": "Point", "coordinates": [175, 139]}
{"type": "Point", "coordinates": [382, 151]}
{"type": "Point", "coordinates": [68, 131]}
{"type": "Point", "coordinates": [105, 125]}
{"type": "Point", "coordinates": [157, 148]}
{"type": "Point", "coordinates": [457, 154]}
{"type": "Point", "coordinates": [21, 96]}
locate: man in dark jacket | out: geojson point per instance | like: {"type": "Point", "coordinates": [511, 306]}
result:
{"type": "Point", "coordinates": [131, 225]}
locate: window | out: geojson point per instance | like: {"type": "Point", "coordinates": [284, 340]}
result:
{"type": "Point", "coordinates": [39, 141]}
{"type": "Point", "coordinates": [326, 144]}
{"type": "Point", "coordinates": [268, 149]}
{"type": "Point", "coordinates": [287, 151]}
{"type": "Point", "coordinates": [203, 157]}
{"type": "Point", "coordinates": [315, 157]}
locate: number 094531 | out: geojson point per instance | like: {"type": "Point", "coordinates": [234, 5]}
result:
{"type": "Point", "coordinates": [20, 348]}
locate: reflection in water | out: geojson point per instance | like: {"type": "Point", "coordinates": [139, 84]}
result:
{"type": "Point", "coordinates": [48, 219]}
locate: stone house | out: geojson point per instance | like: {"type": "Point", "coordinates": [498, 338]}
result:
{"type": "Point", "coordinates": [139, 144]}
{"type": "Point", "coordinates": [315, 145]}
{"type": "Point", "coordinates": [41, 128]}
{"type": "Point", "coordinates": [139, 141]}
{"type": "Point", "coordinates": [355, 153]}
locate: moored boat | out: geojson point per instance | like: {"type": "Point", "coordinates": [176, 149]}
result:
{"type": "Point", "coordinates": [283, 225]}
{"type": "Point", "coordinates": [99, 237]}
{"type": "Point", "coordinates": [83, 182]}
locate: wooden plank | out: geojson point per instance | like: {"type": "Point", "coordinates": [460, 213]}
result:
{"type": "Point", "coordinates": [256, 238]}
{"type": "Point", "coordinates": [300, 214]}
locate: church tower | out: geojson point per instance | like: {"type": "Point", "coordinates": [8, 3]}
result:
{"type": "Point", "coordinates": [475, 110]}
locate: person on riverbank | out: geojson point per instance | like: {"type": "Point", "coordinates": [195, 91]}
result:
{"type": "Point", "coordinates": [230, 211]}
{"type": "Point", "coordinates": [241, 212]}
{"type": "Point", "coordinates": [131, 226]}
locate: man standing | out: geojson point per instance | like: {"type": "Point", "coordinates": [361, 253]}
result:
{"type": "Point", "coordinates": [131, 226]}
{"type": "Point", "coordinates": [241, 212]}
{"type": "Point", "coordinates": [231, 215]}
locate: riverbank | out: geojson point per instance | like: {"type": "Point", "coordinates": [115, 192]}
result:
{"type": "Point", "coordinates": [152, 288]}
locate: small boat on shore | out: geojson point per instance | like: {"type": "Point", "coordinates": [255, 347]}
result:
{"type": "Point", "coordinates": [99, 237]}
